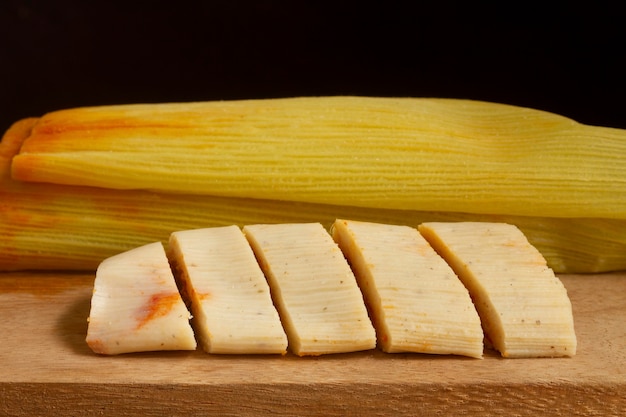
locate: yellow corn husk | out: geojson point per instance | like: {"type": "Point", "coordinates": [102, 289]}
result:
{"type": "Point", "coordinates": [52, 226]}
{"type": "Point", "coordinates": [394, 153]}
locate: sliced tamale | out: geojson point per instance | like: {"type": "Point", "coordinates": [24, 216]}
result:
{"type": "Point", "coordinates": [228, 293]}
{"type": "Point", "coordinates": [136, 306]}
{"type": "Point", "coordinates": [313, 288]}
{"type": "Point", "coordinates": [416, 301]}
{"type": "Point", "coordinates": [524, 307]}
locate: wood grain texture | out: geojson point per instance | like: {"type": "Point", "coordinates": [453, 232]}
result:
{"type": "Point", "coordinates": [46, 368]}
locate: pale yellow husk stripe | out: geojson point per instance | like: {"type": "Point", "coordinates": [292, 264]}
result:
{"type": "Point", "coordinates": [49, 226]}
{"type": "Point", "coordinates": [394, 153]}
{"type": "Point", "coordinates": [70, 228]}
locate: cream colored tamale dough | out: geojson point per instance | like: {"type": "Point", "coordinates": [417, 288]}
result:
{"type": "Point", "coordinates": [230, 298]}
{"type": "Point", "coordinates": [313, 288]}
{"type": "Point", "coordinates": [524, 307]}
{"type": "Point", "coordinates": [136, 305]}
{"type": "Point", "coordinates": [416, 300]}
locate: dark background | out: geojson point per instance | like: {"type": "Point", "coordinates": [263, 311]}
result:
{"type": "Point", "coordinates": [66, 53]}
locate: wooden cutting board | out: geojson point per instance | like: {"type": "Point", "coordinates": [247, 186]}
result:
{"type": "Point", "coordinates": [47, 369]}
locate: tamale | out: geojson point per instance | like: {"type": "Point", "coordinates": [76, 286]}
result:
{"type": "Point", "coordinates": [393, 153]}
{"type": "Point", "coordinates": [53, 226]}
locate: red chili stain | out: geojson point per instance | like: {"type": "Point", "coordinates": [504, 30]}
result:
{"type": "Point", "coordinates": [158, 305]}
{"type": "Point", "coordinates": [203, 295]}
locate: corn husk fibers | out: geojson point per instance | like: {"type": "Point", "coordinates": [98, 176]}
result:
{"type": "Point", "coordinates": [60, 226]}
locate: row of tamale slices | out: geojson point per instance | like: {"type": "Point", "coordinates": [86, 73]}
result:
{"type": "Point", "coordinates": [443, 288]}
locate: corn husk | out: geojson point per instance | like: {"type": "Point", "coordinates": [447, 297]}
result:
{"type": "Point", "coordinates": [393, 153]}
{"type": "Point", "coordinates": [57, 226]}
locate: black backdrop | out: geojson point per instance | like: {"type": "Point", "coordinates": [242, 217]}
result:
{"type": "Point", "coordinates": [67, 53]}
